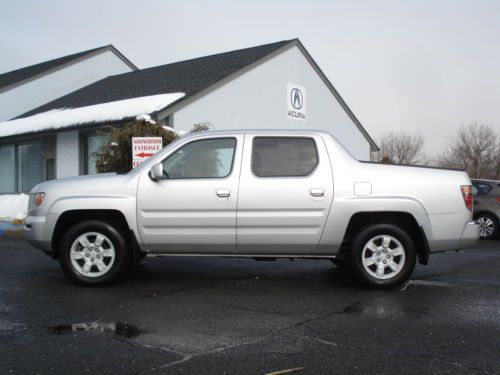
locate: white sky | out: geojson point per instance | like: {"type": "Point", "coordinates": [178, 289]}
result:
{"type": "Point", "coordinates": [423, 66]}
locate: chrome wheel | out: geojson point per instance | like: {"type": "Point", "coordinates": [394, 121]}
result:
{"type": "Point", "coordinates": [383, 257]}
{"type": "Point", "coordinates": [486, 226]}
{"type": "Point", "coordinates": [92, 254]}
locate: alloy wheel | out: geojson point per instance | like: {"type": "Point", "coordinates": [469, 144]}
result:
{"type": "Point", "coordinates": [92, 254]}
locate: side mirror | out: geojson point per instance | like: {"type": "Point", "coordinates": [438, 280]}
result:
{"type": "Point", "coordinates": [156, 172]}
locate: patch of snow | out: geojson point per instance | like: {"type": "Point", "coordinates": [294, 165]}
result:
{"type": "Point", "coordinates": [180, 133]}
{"type": "Point", "coordinates": [13, 206]}
{"type": "Point", "coordinates": [112, 111]}
{"type": "Point", "coordinates": [147, 118]}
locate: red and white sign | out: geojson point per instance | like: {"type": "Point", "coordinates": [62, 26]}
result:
{"type": "Point", "coordinates": [144, 147]}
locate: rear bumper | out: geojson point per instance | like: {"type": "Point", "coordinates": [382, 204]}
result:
{"type": "Point", "coordinates": [470, 235]}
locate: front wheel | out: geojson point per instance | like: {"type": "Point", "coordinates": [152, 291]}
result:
{"type": "Point", "coordinates": [384, 256]}
{"type": "Point", "coordinates": [94, 253]}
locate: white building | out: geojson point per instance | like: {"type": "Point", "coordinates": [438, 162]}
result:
{"type": "Point", "coordinates": [276, 85]}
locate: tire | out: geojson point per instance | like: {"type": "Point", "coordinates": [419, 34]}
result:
{"type": "Point", "coordinates": [489, 226]}
{"type": "Point", "coordinates": [90, 265]}
{"type": "Point", "coordinates": [385, 246]}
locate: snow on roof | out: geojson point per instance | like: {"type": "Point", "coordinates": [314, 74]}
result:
{"type": "Point", "coordinates": [66, 117]}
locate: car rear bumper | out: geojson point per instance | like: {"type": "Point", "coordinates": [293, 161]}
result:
{"type": "Point", "coordinates": [470, 235]}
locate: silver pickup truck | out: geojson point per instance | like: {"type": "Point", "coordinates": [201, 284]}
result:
{"type": "Point", "coordinates": [258, 194]}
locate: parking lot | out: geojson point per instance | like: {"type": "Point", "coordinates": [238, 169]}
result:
{"type": "Point", "coordinates": [212, 316]}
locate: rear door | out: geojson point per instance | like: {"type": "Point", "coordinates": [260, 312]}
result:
{"type": "Point", "coordinates": [285, 194]}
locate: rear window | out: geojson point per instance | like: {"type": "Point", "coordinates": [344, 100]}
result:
{"type": "Point", "coordinates": [283, 156]}
{"type": "Point", "coordinates": [481, 188]}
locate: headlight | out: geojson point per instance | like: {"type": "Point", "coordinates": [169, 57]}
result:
{"type": "Point", "coordinates": [36, 199]}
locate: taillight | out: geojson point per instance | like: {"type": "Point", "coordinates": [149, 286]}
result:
{"type": "Point", "coordinates": [467, 194]}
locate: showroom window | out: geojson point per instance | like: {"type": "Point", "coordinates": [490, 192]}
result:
{"type": "Point", "coordinates": [29, 165]}
{"type": "Point", "coordinates": [92, 144]}
{"type": "Point", "coordinates": [8, 168]}
{"type": "Point", "coordinates": [26, 164]}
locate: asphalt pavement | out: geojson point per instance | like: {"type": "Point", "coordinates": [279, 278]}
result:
{"type": "Point", "coordinates": [198, 315]}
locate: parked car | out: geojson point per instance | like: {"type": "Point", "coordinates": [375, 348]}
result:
{"type": "Point", "coordinates": [487, 207]}
{"type": "Point", "coordinates": [258, 194]}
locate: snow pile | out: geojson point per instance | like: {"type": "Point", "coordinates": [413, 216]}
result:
{"type": "Point", "coordinates": [13, 207]}
{"type": "Point", "coordinates": [112, 111]}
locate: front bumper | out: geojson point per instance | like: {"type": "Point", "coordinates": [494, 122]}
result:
{"type": "Point", "coordinates": [35, 232]}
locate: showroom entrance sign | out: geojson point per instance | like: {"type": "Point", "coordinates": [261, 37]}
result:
{"type": "Point", "coordinates": [144, 147]}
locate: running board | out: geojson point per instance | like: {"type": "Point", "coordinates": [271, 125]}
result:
{"type": "Point", "coordinates": [255, 256]}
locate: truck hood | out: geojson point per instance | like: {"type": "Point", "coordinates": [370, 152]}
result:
{"type": "Point", "coordinates": [107, 186]}
{"type": "Point", "coordinates": [97, 183]}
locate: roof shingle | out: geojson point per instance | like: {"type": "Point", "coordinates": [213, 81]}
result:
{"type": "Point", "coordinates": [189, 77]}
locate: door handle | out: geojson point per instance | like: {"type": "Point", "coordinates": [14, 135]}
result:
{"type": "Point", "coordinates": [475, 202]}
{"type": "Point", "coordinates": [223, 193]}
{"type": "Point", "coordinates": [317, 193]}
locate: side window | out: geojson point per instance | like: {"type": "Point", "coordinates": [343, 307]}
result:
{"type": "Point", "coordinates": [283, 156]}
{"type": "Point", "coordinates": [210, 158]}
{"type": "Point", "coordinates": [481, 189]}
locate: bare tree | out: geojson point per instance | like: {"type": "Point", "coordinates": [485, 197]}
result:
{"type": "Point", "coordinates": [402, 148]}
{"type": "Point", "coordinates": [475, 149]}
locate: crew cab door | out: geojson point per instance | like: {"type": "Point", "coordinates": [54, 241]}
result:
{"type": "Point", "coordinates": [286, 191]}
{"type": "Point", "coordinates": [193, 209]}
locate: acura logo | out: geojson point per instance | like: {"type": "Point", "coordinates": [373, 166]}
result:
{"type": "Point", "coordinates": [296, 98]}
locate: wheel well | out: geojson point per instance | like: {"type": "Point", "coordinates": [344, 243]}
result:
{"type": "Point", "coordinates": [70, 218]}
{"type": "Point", "coordinates": [495, 216]}
{"type": "Point", "coordinates": [404, 220]}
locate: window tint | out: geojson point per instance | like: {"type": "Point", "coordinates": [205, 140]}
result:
{"type": "Point", "coordinates": [211, 158]}
{"type": "Point", "coordinates": [481, 189]}
{"type": "Point", "coordinates": [285, 157]}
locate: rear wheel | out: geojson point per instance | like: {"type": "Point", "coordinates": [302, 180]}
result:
{"type": "Point", "coordinates": [94, 253]}
{"type": "Point", "coordinates": [383, 256]}
{"type": "Point", "coordinates": [488, 226]}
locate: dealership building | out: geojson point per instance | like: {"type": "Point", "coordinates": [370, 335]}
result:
{"type": "Point", "coordinates": [52, 114]}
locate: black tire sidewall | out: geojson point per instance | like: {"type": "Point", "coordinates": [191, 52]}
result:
{"type": "Point", "coordinates": [368, 233]}
{"type": "Point", "coordinates": [495, 223]}
{"type": "Point", "coordinates": [122, 252]}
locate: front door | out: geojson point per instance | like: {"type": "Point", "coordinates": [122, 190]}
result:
{"type": "Point", "coordinates": [285, 194]}
{"type": "Point", "coordinates": [193, 208]}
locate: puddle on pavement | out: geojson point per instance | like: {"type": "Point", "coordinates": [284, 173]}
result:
{"type": "Point", "coordinates": [120, 329]}
{"type": "Point", "coordinates": [383, 307]}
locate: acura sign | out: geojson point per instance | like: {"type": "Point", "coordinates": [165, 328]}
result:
{"type": "Point", "coordinates": [296, 102]}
